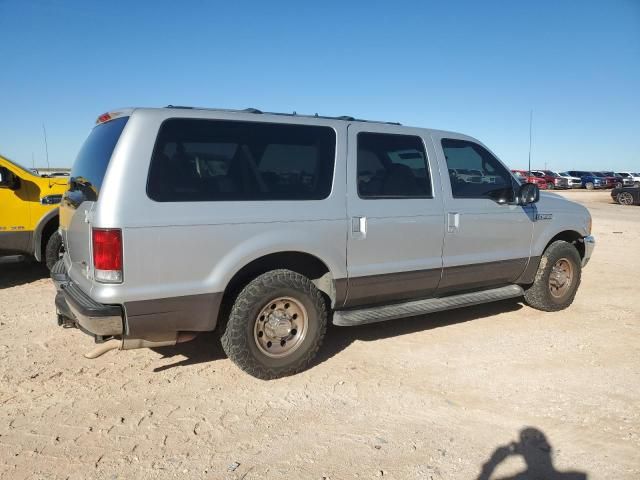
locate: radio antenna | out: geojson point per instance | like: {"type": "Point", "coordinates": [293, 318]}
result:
{"type": "Point", "coordinates": [530, 128]}
{"type": "Point", "coordinates": [46, 152]}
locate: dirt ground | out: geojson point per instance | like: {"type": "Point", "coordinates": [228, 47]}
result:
{"type": "Point", "coordinates": [432, 397]}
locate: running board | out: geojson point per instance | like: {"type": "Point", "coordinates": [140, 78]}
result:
{"type": "Point", "coordinates": [360, 316]}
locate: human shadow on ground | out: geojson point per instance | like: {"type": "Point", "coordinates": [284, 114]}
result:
{"type": "Point", "coordinates": [536, 452]}
{"type": "Point", "coordinates": [15, 271]}
{"type": "Point", "coordinates": [206, 347]}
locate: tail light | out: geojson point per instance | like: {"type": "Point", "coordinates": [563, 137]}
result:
{"type": "Point", "coordinates": [107, 254]}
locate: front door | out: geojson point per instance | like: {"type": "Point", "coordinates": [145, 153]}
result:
{"type": "Point", "coordinates": [394, 201]}
{"type": "Point", "coordinates": [488, 237]}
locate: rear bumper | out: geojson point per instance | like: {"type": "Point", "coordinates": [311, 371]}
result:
{"type": "Point", "coordinates": [589, 244]}
{"type": "Point", "coordinates": [90, 316]}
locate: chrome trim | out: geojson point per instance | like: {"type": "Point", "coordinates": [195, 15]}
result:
{"type": "Point", "coordinates": [97, 325]}
{"type": "Point", "coordinates": [589, 244]}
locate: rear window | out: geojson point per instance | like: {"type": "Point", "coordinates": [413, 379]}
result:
{"type": "Point", "coordinates": [216, 160]}
{"type": "Point", "coordinates": [91, 163]}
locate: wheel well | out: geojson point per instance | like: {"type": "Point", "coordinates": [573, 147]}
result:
{"type": "Point", "coordinates": [49, 229]}
{"type": "Point", "coordinates": [304, 263]}
{"type": "Point", "coordinates": [569, 236]}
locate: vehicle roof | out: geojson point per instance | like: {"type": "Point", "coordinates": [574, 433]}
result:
{"type": "Point", "coordinates": [267, 115]}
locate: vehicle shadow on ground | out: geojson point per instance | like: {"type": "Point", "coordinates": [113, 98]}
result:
{"type": "Point", "coordinates": [15, 271]}
{"type": "Point", "coordinates": [206, 347]}
{"type": "Point", "coordinates": [536, 451]}
{"type": "Point", "coordinates": [339, 338]}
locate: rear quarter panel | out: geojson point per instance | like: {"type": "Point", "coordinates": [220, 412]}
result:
{"type": "Point", "coordinates": [188, 248]}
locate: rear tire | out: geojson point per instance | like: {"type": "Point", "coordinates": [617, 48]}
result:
{"type": "Point", "coordinates": [557, 278]}
{"type": "Point", "coordinates": [625, 198]}
{"type": "Point", "coordinates": [53, 250]}
{"type": "Point", "coordinates": [276, 325]}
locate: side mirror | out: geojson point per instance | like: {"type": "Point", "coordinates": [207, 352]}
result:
{"type": "Point", "coordinates": [529, 193]}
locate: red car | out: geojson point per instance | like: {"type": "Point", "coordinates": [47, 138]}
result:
{"type": "Point", "coordinates": [524, 177]}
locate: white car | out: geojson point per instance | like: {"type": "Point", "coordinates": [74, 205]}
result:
{"type": "Point", "coordinates": [574, 182]}
{"type": "Point", "coordinates": [634, 176]}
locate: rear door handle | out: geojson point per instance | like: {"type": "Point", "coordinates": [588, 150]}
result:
{"type": "Point", "coordinates": [453, 222]}
{"type": "Point", "coordinates": [359, 227]}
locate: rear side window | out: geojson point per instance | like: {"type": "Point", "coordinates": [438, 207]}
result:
{"type": "Point", "coordinates": [392, 166]}
{"type": "Point", "coordinates": [476, 173]}
{"type": "Point", "coordinates": [91, 163]}
{"type": "Point", "coordinates": [215, 160]}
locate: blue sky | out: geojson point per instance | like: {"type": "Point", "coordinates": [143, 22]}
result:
{"type": "Point", "coordinates": [468, 66]}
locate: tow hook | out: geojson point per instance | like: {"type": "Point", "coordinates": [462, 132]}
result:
{"type": "Point", "coordinates": [66, 322]}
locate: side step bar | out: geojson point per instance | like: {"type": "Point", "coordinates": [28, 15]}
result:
{"type": "Point", "coordinates": [360, 316]}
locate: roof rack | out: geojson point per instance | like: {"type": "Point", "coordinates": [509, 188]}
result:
{"type": "Point", "coordinates": [345, 118]}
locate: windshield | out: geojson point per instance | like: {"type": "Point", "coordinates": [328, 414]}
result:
{"type": "Point", "coordinates": [550, 173]}
{"type": "Point", "coordinates": [91, 163]}
{"type": "Point", "coordinates": [625, 175]}
{"type": "Point", "coordinates": [598, 174]}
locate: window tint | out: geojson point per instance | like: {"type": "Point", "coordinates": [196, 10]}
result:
{"type": "Point", "coordinates": [392, 166]}
{"type": "Point", "coordinates": [91, 163]}
{"type": "Point", "coordinates": [214, 160]}
{"type": "Point", "coordinates": [475, 173]}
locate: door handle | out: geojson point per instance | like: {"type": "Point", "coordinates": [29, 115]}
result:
{"type": "Point", "coordinates": [359, 226]}
{"type": "Point", "coordinates": [453, 222]}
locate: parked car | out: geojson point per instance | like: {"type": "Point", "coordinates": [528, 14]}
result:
{"type": "Point", "coordinates": [29, 213]}
{"type": "Point", "coordinates": [607, 181]}
{"type": "Point", "coordinates": [629, 178]}
{"type": "Point", "coordinates": [589, 180]}
{"type": "Point", "coordinates": [618, 180]}
{"type": "Point", "coordinates": [574, 182]}
{"type": "Point", "coordinates": [552, 178]}
{"type": "Point", "coordinates": [178, 220]}
{"type": "Point", "coordinates": [524, 177]}
{"type": "Point", "coordinates": [626, 195]}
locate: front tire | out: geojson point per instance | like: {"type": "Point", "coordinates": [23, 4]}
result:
{"type": "Point", "coordinates": [589, 186]}
{"type": "Point", "coordinates": [276, 325]}
{"type": "Point", "coordinates": [53, 250]}
{"type": "Point", "coordinates": [557, 278]}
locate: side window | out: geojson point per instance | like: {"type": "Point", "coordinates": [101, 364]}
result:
{"type": "Point", "coordinates": [215, 160]}
{"type": "Point", "coordinates": [392, 166]}
{"type": "Point", "coordinates": [476, 173]}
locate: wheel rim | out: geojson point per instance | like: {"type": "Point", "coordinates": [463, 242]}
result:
{"type": "Point", "coordinates": [280, 327]}
{"type": "Point", "coordinates": [561, 278]}
{"type": "Point", "coordinates": [625, 198]}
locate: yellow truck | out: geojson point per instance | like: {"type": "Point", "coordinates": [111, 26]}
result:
{"type": "Point", "coordinates": [29, 213]}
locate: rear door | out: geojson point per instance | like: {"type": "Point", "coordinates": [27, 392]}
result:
{"type": "Point", "coordinates": [87, 174]}
{"type": "Point", "coordinates": [488, 237]}
{"type": "Point", "coordinates": [394, 247]}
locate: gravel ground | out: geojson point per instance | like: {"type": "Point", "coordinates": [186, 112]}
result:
{"type": "Point", "coordinates": [435, 397]}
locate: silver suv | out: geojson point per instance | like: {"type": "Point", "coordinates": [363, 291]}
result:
{"type": "Point", "coordinates": [267, 226]}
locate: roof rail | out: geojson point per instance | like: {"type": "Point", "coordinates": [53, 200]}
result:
{"type": "Point", "coordinates": [345, 118]}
